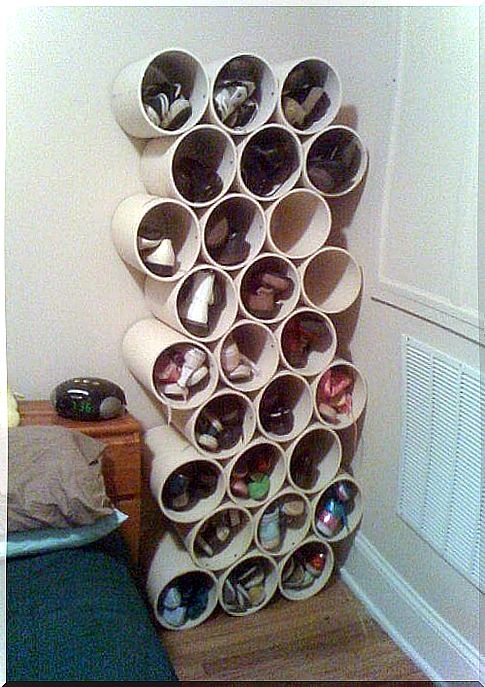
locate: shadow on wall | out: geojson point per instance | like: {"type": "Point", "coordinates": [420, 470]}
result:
{"type": "Point", "coordinates": [343, 208]}
{"type": "Point", "coordinates": [341, 549]}
{"type": "Point", "coordinates": [346, 322]}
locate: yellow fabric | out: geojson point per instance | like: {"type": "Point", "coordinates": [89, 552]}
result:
{"type": "Point", "coordinates": [12, 409]}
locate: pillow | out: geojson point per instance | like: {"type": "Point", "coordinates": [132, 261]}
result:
{"type": "Point", "coordinates": [53, 539]}
{"type": "Point", "coordinates": [54, 479]}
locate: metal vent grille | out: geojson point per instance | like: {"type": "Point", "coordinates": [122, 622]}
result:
{"type": "Point", "coordinates": [440, 475]}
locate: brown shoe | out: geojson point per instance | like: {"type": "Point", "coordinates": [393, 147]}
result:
{"type": "Point", "coordinates": [217, 234]}
{"type": "Point", "coordinates": [262, 303]}
{"type": "Point", "coordinates": [276, 282]}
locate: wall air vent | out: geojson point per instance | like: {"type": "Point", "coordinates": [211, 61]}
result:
{"type": "Point", "coordinates": [440, 472]}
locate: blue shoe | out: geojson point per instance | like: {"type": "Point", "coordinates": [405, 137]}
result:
{"type": "Point", "coordinates": [269, 529]}
{"type": "Point", "coordinates": [175, 617]}
{"type": "Point", "coordinates": [172, 599]}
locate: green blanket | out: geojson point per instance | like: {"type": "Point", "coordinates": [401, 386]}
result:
{"type": "Point", "coordinates": [77, 615]}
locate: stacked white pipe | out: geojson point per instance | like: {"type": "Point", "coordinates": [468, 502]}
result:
{"type": "Point", "coordinates": [286, 230]}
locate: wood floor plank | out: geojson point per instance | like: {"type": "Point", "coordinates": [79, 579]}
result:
{"type": "Point", "coordinates": [329, 637]}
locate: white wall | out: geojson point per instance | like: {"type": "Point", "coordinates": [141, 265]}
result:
{"type": "Point", "coordinates": [68, 165]}
{"type": "Point", "coordinates": [422, 238]}
{"type": "Point", "coordinates": [69, 296]}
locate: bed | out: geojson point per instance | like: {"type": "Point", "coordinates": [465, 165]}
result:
{"type": "Point", "coordinates": [75, 610]}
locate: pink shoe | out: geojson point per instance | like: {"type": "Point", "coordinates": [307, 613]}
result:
{"type": "Point", "coordinates": [343, 491]}
{"type": "Point", "coordinates": [166, 370]}
{"type": "Point", "coordinates": [330, 518]}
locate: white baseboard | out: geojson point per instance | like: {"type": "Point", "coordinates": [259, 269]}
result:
{"type": "Point", "coordinates": [434, 646]}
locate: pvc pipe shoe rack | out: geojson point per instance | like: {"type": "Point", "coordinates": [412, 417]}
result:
{"type": "Point", "coordinates": [240, 166]}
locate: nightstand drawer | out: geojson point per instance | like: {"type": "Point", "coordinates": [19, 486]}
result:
{"type": "Point", "coordinates": [131, 527]}
{"type": "Point", "coordinates": [122, 469]}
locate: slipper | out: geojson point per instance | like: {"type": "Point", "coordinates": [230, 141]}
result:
{"type": "Point", "coordinates": [229, 593]}
{"type": "Point", "coordinates": [257, 595]}
{"type": "Point", "coordinates": [293, 508]}
{"type": "Point", "coordinates": [288, 569]}
{"type": "Point", "coordinates": [300, 579]}
{"type": "Point", "coordinates": [253, 577]}
{"type": "Point", "coordinates": [242, 596]}
{"type": "Point", "coordinates": [201, 543]}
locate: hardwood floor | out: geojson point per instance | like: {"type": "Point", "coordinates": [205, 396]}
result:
{"type": "Point", "coordinates": [329, 637]}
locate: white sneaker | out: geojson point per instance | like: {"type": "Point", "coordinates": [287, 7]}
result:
{"type": "Point", "coordinates": [174, 390]}
{"type": "Point", "coordinates": [148, 244]}
{"type": "Point", "coordinates": [200, 299]}
{"type": "Point", "coordinates": [194, 359]}
{"type": "Point", "coordinates": [162, 260]}
{"type": "Point", "coordinates": [230, 98]}
{"type": "Point", "coordinates": [198, 376]}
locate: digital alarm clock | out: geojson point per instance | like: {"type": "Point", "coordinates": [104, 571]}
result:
{"type": "Point", "coordinates": [88, 398]}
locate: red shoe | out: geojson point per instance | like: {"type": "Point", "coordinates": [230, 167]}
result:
{"type": "Point", "coordinates": [166, 371]}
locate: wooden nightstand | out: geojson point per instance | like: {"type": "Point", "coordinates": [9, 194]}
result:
{"type": "Point", "coordinates": [121, 459]}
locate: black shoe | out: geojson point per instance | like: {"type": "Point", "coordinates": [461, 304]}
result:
{"type": "Point", "coordinates": [165, 104]}
{"type": "Point", "coordinates": [277, 418]}
{"type": "Point", "coordinates": [229, 437]}
{"type": "Point", "coordinates": [195, 181]}
{"type": "Point", "coordinates": [235, 250]}
{"type": "Point", "coordinates": [267, 166]}
{"type": "Point", "coordinates": [298, 84]}
{"type": "Point", "coordinates": [243, 115]}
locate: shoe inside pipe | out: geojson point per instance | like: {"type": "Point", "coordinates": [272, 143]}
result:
{"type": "Point", "coordinates": [164, 101]}
{"type": "Point", "coordinates": [334, 161]}
{"type": "Point", "coordinates": [197, 182]}
{"type": "Point", "coordinates": [304, 98]}
{"type": "Point", "coordinates": [267, 162]}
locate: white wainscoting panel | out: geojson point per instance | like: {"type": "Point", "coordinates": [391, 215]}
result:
{"type": "Point", "coordinates": [428, 253]}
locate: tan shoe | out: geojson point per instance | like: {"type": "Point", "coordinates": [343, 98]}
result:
{"type": "Point", "coordinates": [262, 303]}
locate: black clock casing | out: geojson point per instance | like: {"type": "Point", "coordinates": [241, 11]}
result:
{"type": "Point", "coordinates": [88, 398]}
